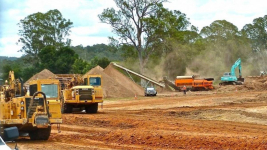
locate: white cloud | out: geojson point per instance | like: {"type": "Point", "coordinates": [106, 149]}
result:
{"type": "Point", "coordinates": [87, 29]}
{"type": "Point", "coordinates": [10, 47]}
{"type": "Point", "coordinates": [203, 13]}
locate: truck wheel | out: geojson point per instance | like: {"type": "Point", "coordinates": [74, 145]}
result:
{"type": "Point", "coordinates": [67, 108]}
{"type": "Point", "coordinates": [40, 134]}
{"type": "Point", "coordinates": [91, 109]}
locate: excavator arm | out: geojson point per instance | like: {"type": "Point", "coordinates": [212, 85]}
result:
{"type": "Point", "coordinates": [235, 65]}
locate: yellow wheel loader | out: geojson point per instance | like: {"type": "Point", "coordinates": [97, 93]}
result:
{"type": "Point", "coordinates": [32, 114]}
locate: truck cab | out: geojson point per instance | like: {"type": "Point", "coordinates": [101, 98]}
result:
{"type": "Point", "coordinates": [85, 94]}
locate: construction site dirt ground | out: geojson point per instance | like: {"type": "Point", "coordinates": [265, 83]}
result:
{"type": "Point", "coordinates": [218, 119]}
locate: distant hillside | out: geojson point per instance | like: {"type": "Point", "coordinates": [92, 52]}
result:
{"type": "Point", "coordinates": [7, 58]}
{"type": "Point", "coordinates": [99, 50]}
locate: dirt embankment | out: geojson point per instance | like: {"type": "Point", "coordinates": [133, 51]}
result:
{"type": "Point", "coordinates": [229, 117]}
{"type": "Point", "coordinates": [227, 120]}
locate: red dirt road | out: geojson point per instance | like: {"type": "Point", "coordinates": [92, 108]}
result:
{"type": "Point", "coordinates": [199, 120]}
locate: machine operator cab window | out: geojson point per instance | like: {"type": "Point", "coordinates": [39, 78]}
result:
{"type": "Point", "coordinates": [93, 81]}
{"type": "Point", "coordinates": [50, 90]}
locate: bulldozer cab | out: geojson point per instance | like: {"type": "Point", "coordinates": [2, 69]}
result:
{"type": "Point", "coordinates": [51, 88]}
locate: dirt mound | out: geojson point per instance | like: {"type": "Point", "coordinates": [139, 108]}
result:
{"type": "Point", "coordinates": [123, 80]}
{"type": "Point", "coordinates": [95, 70]}
{"type": "Point", "coordinates": [111, 88]}
{"type": "Point", "coordinates": [44, 74]}
{"type": "Point", "coordinates": [256, 83]}
{"type": "Point", "coordinates": [250, 84]}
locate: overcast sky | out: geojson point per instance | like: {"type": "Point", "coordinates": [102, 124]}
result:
{"type": "Point", "coordinates": [87, 29]}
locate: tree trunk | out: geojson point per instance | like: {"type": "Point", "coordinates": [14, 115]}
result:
{"type": "Point", "coordinates": [141, 61]}
{"type": "Point", "coordinates": [141, 67]}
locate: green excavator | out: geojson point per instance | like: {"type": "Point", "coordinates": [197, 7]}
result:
{"type": "Point", "coordinates": [229, 78]}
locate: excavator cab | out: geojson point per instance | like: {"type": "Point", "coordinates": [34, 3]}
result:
{"type": "Point", "coordinates": [227, 74]}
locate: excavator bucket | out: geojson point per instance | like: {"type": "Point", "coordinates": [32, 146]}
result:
{"type": "Point", "coordinates": [241, 79]}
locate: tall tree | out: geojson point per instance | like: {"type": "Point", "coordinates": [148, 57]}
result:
{"type": "Point", "coordinates": [226, 40]}
{"type": "Point", "coordinates": [142, 24]}
{"type": "Point", "coordinates": [257, 33]}
{"type": "Point", "coordinates": [42, 29]}
{"type": "Point", "coordinates": [220, 30]}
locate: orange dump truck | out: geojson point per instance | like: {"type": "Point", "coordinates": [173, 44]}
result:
{"type": "Point", "coordinates": [194, 84]}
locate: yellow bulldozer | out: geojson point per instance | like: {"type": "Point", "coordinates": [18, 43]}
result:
{"type": "Point", "coordinates": [84, 93]}
{"type": "Point", "coordinates": [33, 113]}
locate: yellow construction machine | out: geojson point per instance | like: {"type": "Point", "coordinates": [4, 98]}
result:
{"type": "Point", "coordinates": [33, 114]}
{"type": "Point", "coordinates": [84, 93]}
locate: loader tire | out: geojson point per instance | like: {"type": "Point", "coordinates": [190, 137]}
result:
{"type": "Point", "coordinates": [91, 109]}
{"type": "Point", "coordinates": [40, 134]}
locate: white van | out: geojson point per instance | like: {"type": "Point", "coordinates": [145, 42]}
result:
{"type": "Point", "coordinates": [11, 134]}
{"type": "Point", "coordinates": [3, 145]}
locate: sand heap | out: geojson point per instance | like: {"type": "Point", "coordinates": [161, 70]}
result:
{"type": "Point", "coordinates": [44, 74]}
{"type": "Point", "coordinates": [112, 88]}
{"type": "Point", "coordinates": [256, 83]}
{"type": "Point", "coordinates": [251, 83]}
{"type": "Point", "coordinates": [123, 80]}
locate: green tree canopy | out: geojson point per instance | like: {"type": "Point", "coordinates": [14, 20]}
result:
{"type": "Point", "coordinates": [58, 61]}
{"type": "Point", "coordinates": [257, 33]}
{"type": "Point", "coordinates": [42, 29]}
{"type": "Point", "coordinates": [220, 30]}
{"type": "Point", "coordinates": [80, 66]}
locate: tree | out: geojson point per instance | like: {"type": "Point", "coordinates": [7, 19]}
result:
{"type": "Point", "coordinates": [102, 62]}
{"type": "Point", "coordinates": [39, 30]}
{"type": "Point", "coordinates": [80, 66]}
{"type": "Point", "coordinates": [143, 24]}
{"type": "Point", "coordinates": [220, 30]}
{"type": "Point", "coordinates": [257, 33]}
{"type": "Point", "coordinates": [65, 60]}
{"type": "Point", "coordinates": [48, 58]}
{"type": "Point", "coordinates": [58, 61]}
{"type": "Point", "coordinates": [225, 39]}
{"type": "Point", "coordinates": [14, 67]}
